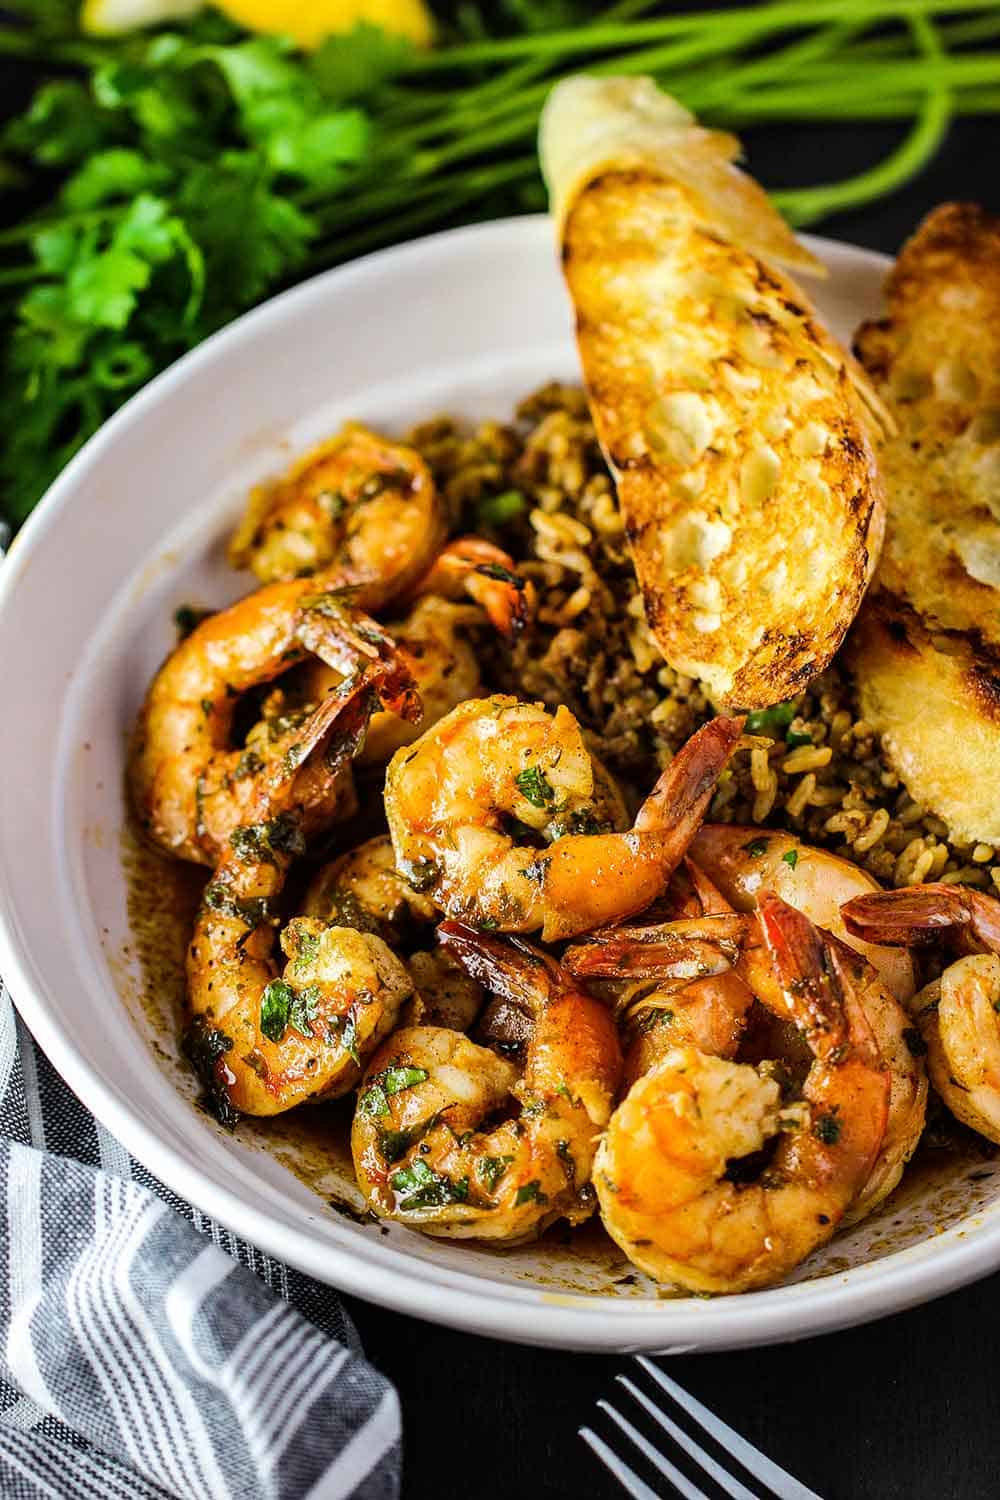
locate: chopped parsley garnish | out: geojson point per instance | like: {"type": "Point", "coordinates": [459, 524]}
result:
{"type": "Point", "coordinates": [495, 510]}
{"type": "Point", "coordinates": [487, 924]}
{"type": "Point", "coordinates": [417, 1186]}
{"type": "Point", "coordinates": [770, 721]}
{"type": "Point", "coordinates": [756, 848]}
{"type": "Point", "coordinates": [281, 1005]}
{"type": "Point", "coordinates": [203, 1045]}
{"type": "Point", "coordinates": [395, 1080]}
{"type": "Point", "coordinates": [249, 764]}
{"type": "Point", "coordinates": [252, 912]}
{"type": "Point", "coordinates": [492, 1168]}
{"type": "Point", "coordinates": [530, 1192]}
{"type": "Point", "coordinates": [259, 842]}
{"type": "Point", "coordinates": [375, 1099]}
{"type": "Point", "coordinates": [791, 858]}
{"type": "Point", "coordinates": [306, 944]}
{"type": "Point", "coordinates": [827, 1128]}
{"type": "Point", "coordinates": [535, 787]}
{"type": "Point", "coordinates": [796, 737]}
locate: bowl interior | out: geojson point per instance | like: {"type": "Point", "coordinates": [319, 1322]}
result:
{"type": "Point", "coordinates": [465, 323]}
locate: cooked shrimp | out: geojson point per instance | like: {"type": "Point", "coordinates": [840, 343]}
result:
{"type": "Point", "coordinates": [190, 786]}
{"type": "Point", "coordinates": [958, 1019]}
{"type": "Point", "coordinates": [901, 1051]}
{"type": "Point", "coordinates": [661, 1169]}
{"type": "Point", "coordinates": [421, 1151]}
{"type": "Point", "coordinates": [433, 641]}
{"type": "Point", "coordinates": [476, 568]}
{"type": "Point", "coordinates": [956, 1015]}
{"type": "Point", "coordinates": [918, 915]}
{"type": "Point", "coordinates": [269, 1040]}
{"type": "Point", "coordinates": [362, 889]}
{"type": "Point", "coordinates": [671, 978]}
{"type": "Point", "coordinates": [451, 797]}
{"type": "Point", "coordinates": [744, 861]}
{"type": "Point", "coordinates": [360, 508]}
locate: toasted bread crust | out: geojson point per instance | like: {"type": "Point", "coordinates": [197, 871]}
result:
{"type": "Point", "coordinates": [926, 647]}
{"type": "Point", "coordinates": [936, 361]}
{"type": "Point", "coordinates": [732, 421]}
{"type": "Point", "coordinates": [935, 700]}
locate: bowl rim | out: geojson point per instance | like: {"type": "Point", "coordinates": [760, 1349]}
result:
{"type": "Point", "coordinates": [381, 1273]}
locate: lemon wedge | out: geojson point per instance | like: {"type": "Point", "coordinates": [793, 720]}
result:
{"type": "Point", "coordinates": [309, 21]}
{"type": "Point", "coordinates": [108, 17]}
{"type": "Point", "coordinates": [306, 21]}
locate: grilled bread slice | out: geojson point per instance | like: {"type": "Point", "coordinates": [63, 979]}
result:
{"type": "Point", "coordinates": [738, 431]}
{"type": "Point", "coordinates": [926, 648]}
{"type": "Point", "coordinates": [935, 700]}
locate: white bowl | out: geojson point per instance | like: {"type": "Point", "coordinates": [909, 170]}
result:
{"type": "Point", "coordinates": [468, 322]}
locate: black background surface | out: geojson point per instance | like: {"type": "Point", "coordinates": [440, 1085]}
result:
{"type": "Point", "coordinates": [904, 1409]}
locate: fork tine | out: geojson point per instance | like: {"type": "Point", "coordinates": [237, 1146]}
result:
{"type": "Point", "coordinates": [714, 1470]}
{"type": "Point", "coordinates": [629, 1481]}
{"type": "Point", "coordinates": [755, 1462]}
{"type": "Point", "coordinates": [682, 1485]}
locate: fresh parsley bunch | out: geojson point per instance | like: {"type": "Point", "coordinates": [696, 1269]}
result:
{"type": "Point", "coordinates": [182, 164]}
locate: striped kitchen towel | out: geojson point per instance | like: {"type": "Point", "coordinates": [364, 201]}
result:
{"type": "Point", "coordinates": [147, 1352]}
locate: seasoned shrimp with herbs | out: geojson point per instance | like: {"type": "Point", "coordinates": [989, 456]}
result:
{"type": "Point", "coordinates": [958, 1015]}
{"type": "Point", "coordinates": [742, 862]}
{"type": "Point", "coordinates": [492, 812]}
{"type": "Point", "coordinates": [673, 977]}
{"type": "Point", "coordinates": [266, 1039]}
{"type": "Point", "coordinates": [432, 1146]}
{"type": "Point", "coordinates": [363, 889]}
{"type": "Point", "coordinates": [358, 508]}
{"type": "Point", "coordinates": [668, 1174]}
{"type": "Point", "coordinates": [434, 642]}
{"type": "Point", "coordinates": [191, 785]}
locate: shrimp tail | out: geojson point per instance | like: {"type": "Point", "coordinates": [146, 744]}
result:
{"type": "Point", "coordinates": [809, 980]}
{"type": "Point", "coordinates": [680, 798]}
{"type": "Point", "coordinates": [488, 575]}
{"type": "Point", "coordinates": [668, 951]}
{"type": "Point", "coordinates": [346, 639]}
{"type": "Point", "coordinates": [506, 966]}
{"type": "Point", "coordinates": [921, 916]}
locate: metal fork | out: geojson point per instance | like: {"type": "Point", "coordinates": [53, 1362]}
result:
{"type": "Point", "coordinates": [776, 1481]}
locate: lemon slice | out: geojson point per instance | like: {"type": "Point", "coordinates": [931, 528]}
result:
{"type": "Point", "coordinates": [309, 21]}
{"type": "Point", "coordinates": [107, 17]}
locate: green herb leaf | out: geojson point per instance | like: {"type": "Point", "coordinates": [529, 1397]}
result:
{"type": "Point", "coordinates": [535, 787]}
{"type": "Point", "coordinates": [373, 1101]}
{"type": "Point", "coordinates": [790, 857]}
{"type": "Point", "coordinates": [395, 1080]}
{"type": "Point", "coordinates": [497, 510]}
{"type": "Point", "coordinates": [796, 737]}
{"type": "Point", "coordinates": [756, 847]}
{"type": "Point", "coordinates": [275, 1009]}
{"type": "Point", "coordinates": [417, 1186]}
{"type": "Point", "coordinates": [770, 721]}
{"type": "Point", "coordinates": [491, 1169]}
{"type": "Point", "coordinates": [827, 1128]}
{"type": "Point", "coordinates": [529, 1192]}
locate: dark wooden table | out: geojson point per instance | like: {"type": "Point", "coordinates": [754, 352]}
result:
{"type": "Point", "coordinates": [905, 1409]}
